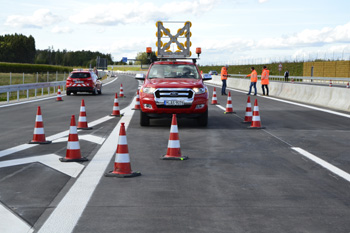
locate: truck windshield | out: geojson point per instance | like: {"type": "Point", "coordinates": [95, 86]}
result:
{"type": "Point", "coordinates": [173, 71]}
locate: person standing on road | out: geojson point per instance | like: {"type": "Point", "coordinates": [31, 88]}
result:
{"type": "Point", "coordinates": [286, 75]}
{"type": "Point", "coordinates": [224, 76]}
{"type": "Point", "coordinates": [265, 80]}
{"type": "Point", "coordinates": [253, 79]}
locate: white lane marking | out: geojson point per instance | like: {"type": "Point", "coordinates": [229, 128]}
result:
{"type": "Point", "coordinates": [50, 160]}
{"type": "Point", "coordinates": [87, 137]}
{"type": "Point", "coordinates": [50, 138]}
{"type": "Point", "coordinates": [323, 163]}
{"type": "Point", "coordinates": [16, 149]}
{"type": "Point", "coordinates": [66, 215]}
{"type": "Point", "coordinates": [11, 223]}
{"type": "Point", "coordinates": [219, 106]}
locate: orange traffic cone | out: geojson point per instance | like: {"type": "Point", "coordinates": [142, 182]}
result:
{"type": "Point", "coordinates": [39, 134]}
{"type": "Point", "coordinates": [116, 111]}
{"type": "Point", "coordinates": [347, 85]}
{"type": "Point", "coordinates": [137, 104]}
{"type": "Point", "coordinates": [248, 112]}
{"type": "Point", "coordinates": [122, 168]}
{"type": "Point", "coordinates": [229, 108]}
{"type": "Point", "coordinates": [256, 123]}
{"type": "Point", "coordinates": [73, 147]}
{"type": "Point", "coordinates": [330, 83]}
{"type": "Point", "coordinates": [82, 123]}
{"type": "Point", "coordinates": [214, 98]}
{"type": "Point", "coordinates": [174, 151]}
{"type": "Point", "coordinates": [121, 94]}
{"type": "Point", "coordinates": [59, 96]}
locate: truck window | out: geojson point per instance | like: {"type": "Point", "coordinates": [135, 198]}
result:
{"type": "Point", "coordinates": [173, 71]}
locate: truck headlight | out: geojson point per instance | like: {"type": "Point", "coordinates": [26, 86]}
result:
{"type": "Point", "coordinates": [148, 90]}
{"type": "Point", "coordinates": [199, 90]}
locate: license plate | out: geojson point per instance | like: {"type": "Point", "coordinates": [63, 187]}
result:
{"type": "Point", "coordinates": [79, 81]}
{"type": "Point", "coordinates": [173, 102]}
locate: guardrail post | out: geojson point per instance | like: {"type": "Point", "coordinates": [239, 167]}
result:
{"type": "Point", "coordinates": [8, 97]}
{"type": "Point", "coordinates": [27, 93]}
{"type": "Point", "coordinates": [17, 95]}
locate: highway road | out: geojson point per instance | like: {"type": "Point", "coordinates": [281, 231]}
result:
{"type": "Point", "coordinates": [292, 176]}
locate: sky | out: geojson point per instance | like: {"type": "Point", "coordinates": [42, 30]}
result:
{"type": "Point", "coordinates": [228, 31]}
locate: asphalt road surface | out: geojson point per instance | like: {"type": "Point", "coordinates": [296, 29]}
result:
{"type": "Point", "coordinates": [292, 176]}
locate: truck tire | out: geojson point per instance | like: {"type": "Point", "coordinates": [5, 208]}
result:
{"type": "Point", "coordinates": [144, 119]}
{"type": "Point", "coordinates": [203, 119]}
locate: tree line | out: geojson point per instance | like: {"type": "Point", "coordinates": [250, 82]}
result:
{"type": "Point", "coordinates": [18, 48]}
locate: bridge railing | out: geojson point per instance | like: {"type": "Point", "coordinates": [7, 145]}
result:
{"type": "Point", "coordinates": [31, 86]}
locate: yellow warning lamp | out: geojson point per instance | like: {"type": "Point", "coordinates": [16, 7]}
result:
{"type": "Point", "coordinates": [178, 47]}
{"type": "Point", "coordinates": [188, 22]}
{"type": "Point", "coordinates": [198, 51]}
{"type": "Point", "coordinates": [178, 51]}
{"type": "Point", "coordinates": [186, 33]}
{"type": "Point", "coordinates": [161, 44]}
{"type": "Point", "coordinates": [167, 32]}
{"type": "Point", "coordinates": [149, 50]}
{"type": "Point", "coordinates": [159, 22]}
{"type": "Point", "coordinates": [187, 45]}
{"type": "Point", "coordinates": [161, 34]}
{"type": "Point", "coordinates": [182, 32]}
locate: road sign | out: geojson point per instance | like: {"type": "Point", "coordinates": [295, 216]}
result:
{"type": "Point", "coordinates": [280, 67]}
{"type": "Point", "coordinates": [125, 59]}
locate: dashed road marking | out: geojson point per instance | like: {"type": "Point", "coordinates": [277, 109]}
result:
{"type": "Point", "coordinates": [323, 163]}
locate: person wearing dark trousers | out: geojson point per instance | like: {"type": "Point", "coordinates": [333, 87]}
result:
{"type": "Point", "coordinates": [265, 80]}
{"type": "Point", "coordinates": [286, 75]}
{"type": "Point", "coordinates": [253, 79]}
{"type": "Point", "coordinates": [224, 76]}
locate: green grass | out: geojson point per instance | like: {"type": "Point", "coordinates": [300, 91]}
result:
{"type": "Point", "coordinates": [17, 78]}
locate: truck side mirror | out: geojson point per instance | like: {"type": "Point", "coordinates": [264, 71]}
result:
{"type": "Point", "coordinates": [140, 76]}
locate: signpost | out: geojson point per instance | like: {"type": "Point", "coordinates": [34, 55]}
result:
{"type": "Point", "coordinates": [280, 68]}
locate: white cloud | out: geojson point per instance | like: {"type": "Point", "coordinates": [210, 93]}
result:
{"type": "Point", "coordinates": [60, 30]}
{"type": "Point", "coordinates": [262, 1]}
{"type": "Point", "coordinates": [39, 19]}
{"type": "Point", "coordinates": [139, 12]}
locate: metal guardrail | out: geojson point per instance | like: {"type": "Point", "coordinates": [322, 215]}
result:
{"type": "Point", "coordinates": [30, 86]}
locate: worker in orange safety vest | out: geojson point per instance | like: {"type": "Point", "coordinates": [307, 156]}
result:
{"type": "Point", "coordinates": [224, 76]}
{"type": "Point", "coordinates": [265, 80]}
{"type": "Point", "coordinates": [253, 79]}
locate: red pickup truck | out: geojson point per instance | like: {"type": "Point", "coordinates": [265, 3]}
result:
{"type": "Point", "coordinates": [173, 87]}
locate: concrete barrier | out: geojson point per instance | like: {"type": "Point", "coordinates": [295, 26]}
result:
{"type": "Point", "coordinates": [330, 97]}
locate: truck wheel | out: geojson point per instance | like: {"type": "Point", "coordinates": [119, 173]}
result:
{"type": "Point", "coordinates": [144, 119]}
{"type": "Point", "coordinates": [203, 119]}
{"type": "Point", "coordinates": [68, 93]}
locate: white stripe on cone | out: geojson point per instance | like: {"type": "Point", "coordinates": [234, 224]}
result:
{"type": "Point", "coordinates": [39, 118]}
{"type": "Point", "coordinates": [122, 158]}
{"type": "Point", "coordinates": [39, 131]}
{"type": "Point", "coordinates": [256, 118]}
{"type": "Point", "coordinates": [73, 145]}
{"type": "Point", "coordinates": [174, 129]}
{"type": "Point", "coordinates": [73, 130]}
{"type": "Point", "coordinates": [122, 140]}
{"type": "Point", "coordinates": [82, 119]}
{"type": "Point", "coordinates": [174, 144]}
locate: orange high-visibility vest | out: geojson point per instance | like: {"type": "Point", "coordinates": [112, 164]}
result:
{"type": "Point", "coordinates": [223, 73]}
{"type": "Point", "coordinates": [253, 76]}
{"type": "Point", "coordinates": [265, 77]}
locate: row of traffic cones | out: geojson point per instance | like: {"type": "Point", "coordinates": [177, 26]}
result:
{"type": "Point", "coordinates": [39, 134]}
{"type": "Point", "coordinates": [122, 167]}
{"type": "Point", "coordinates": [253, 118]}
